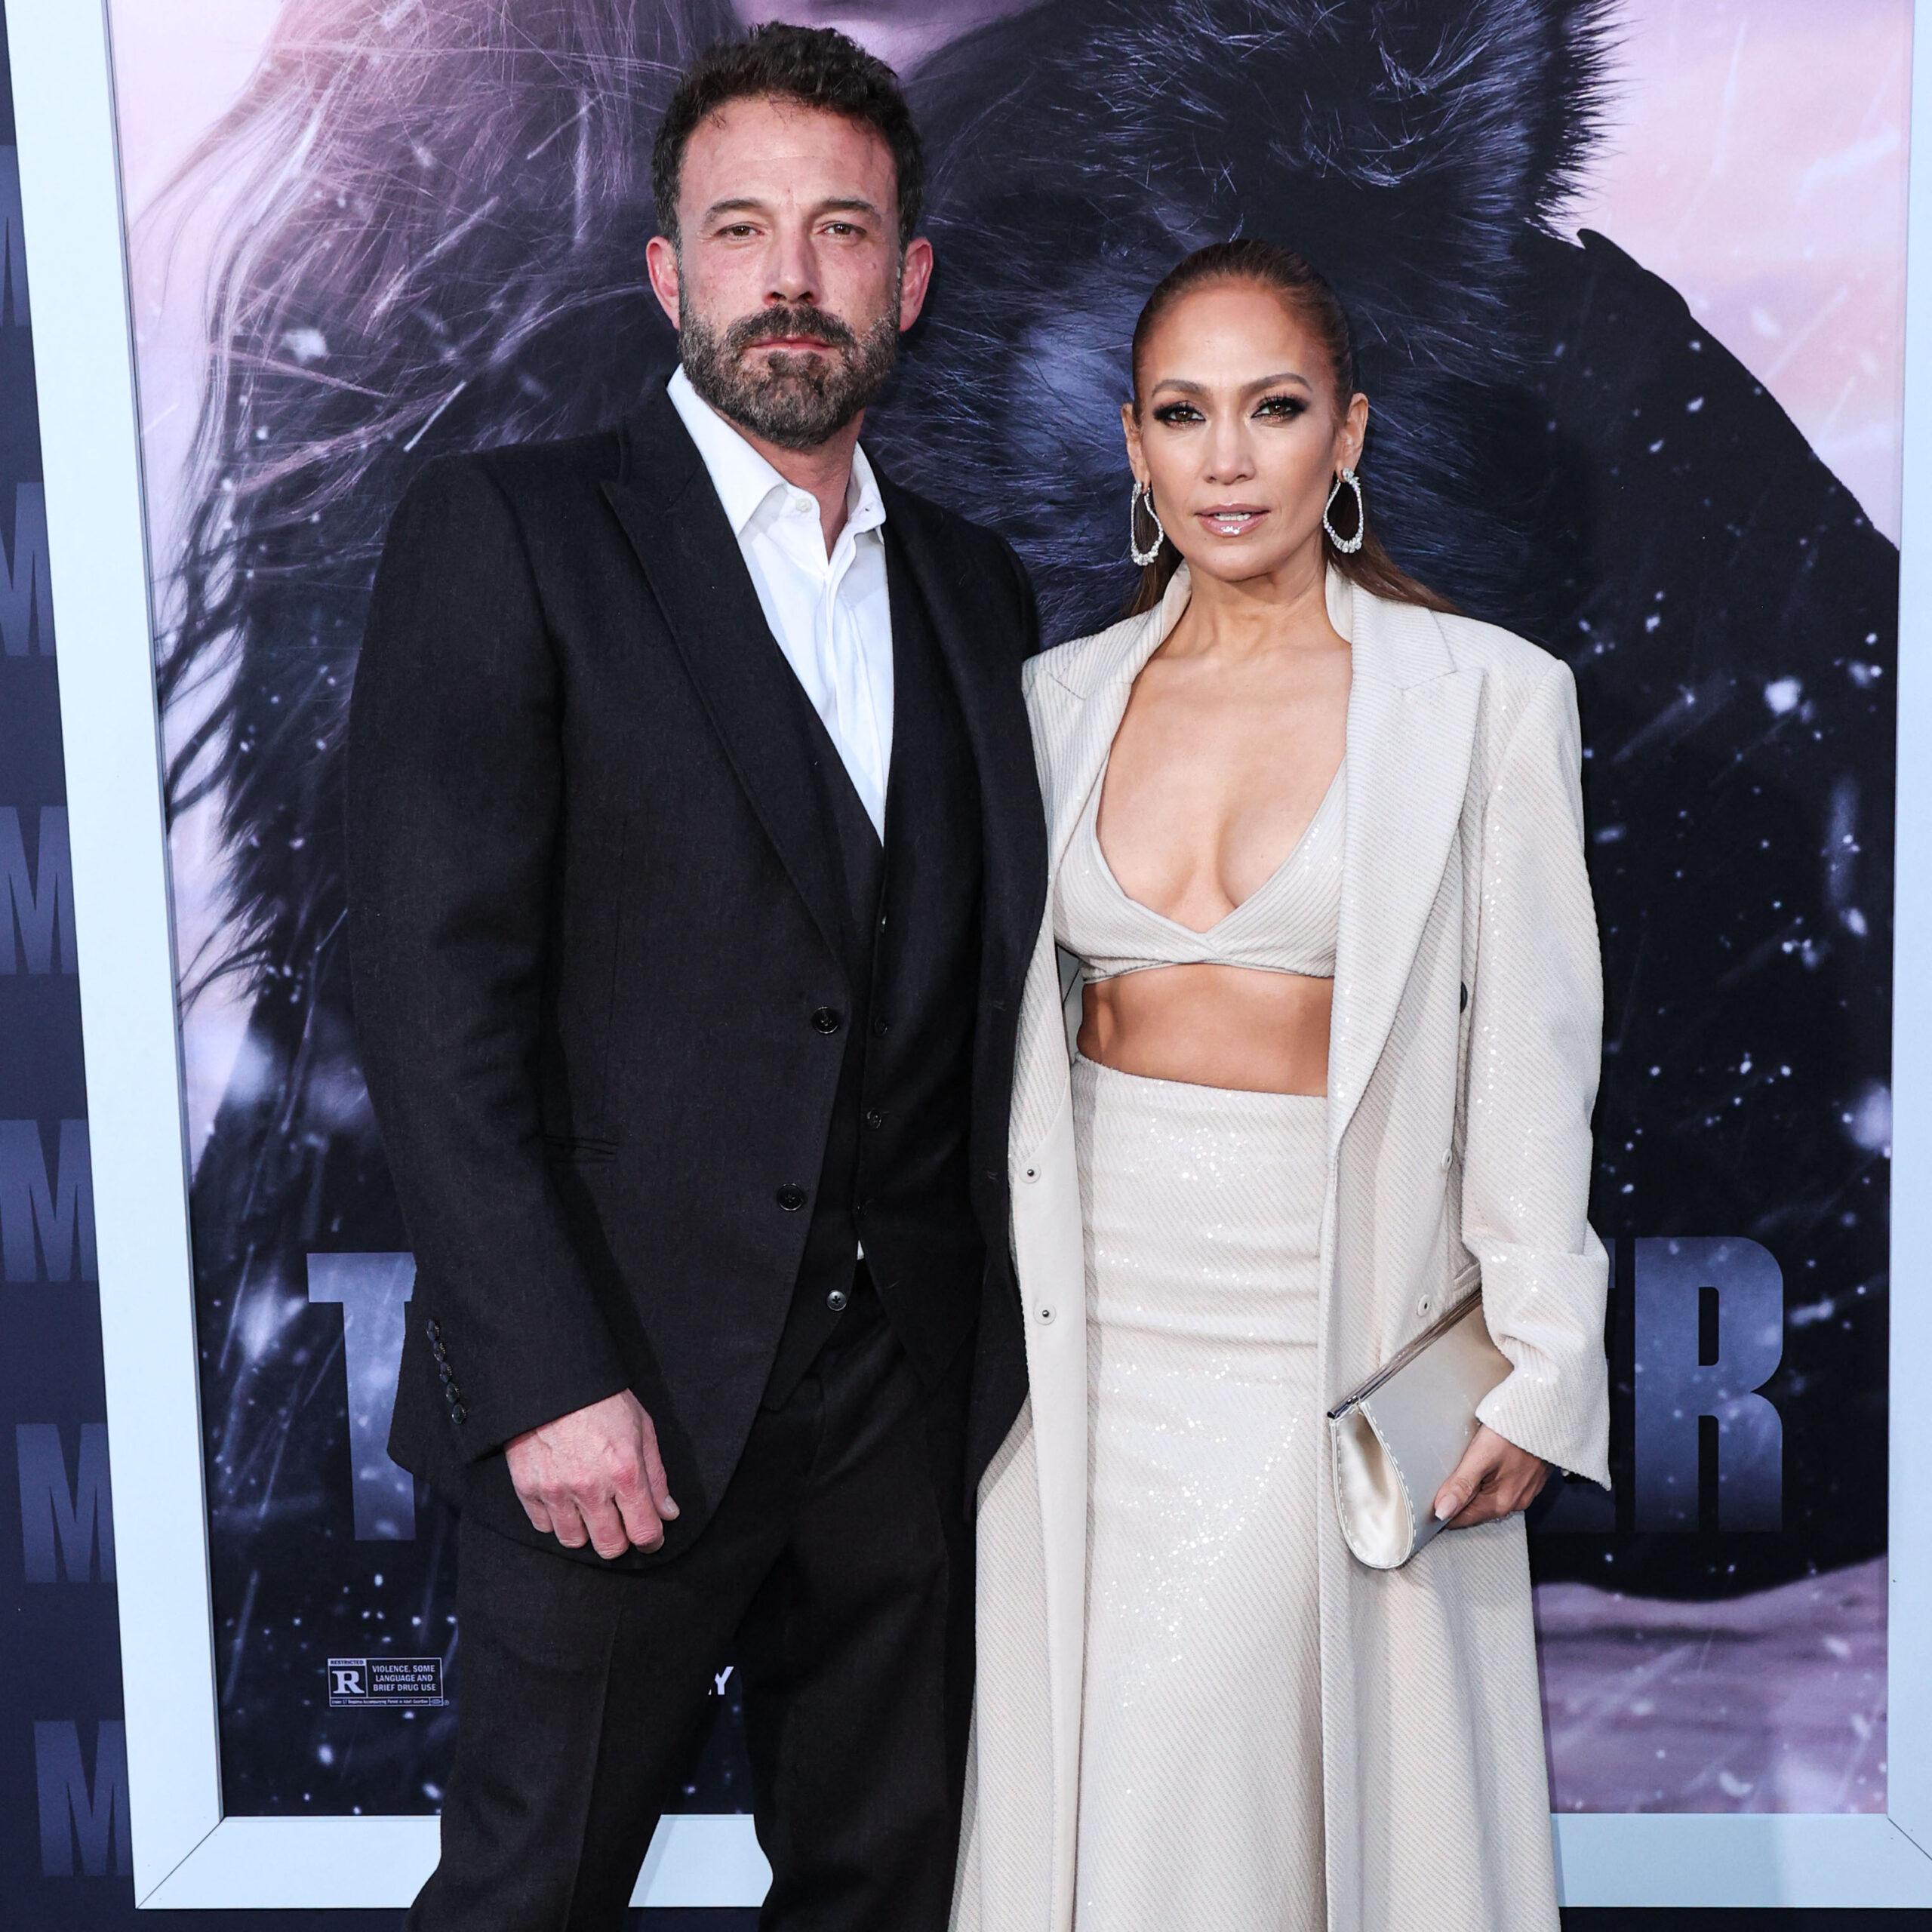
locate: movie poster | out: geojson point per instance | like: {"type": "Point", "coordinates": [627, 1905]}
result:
{"type": "Point", "coordinates": [1627, 277]}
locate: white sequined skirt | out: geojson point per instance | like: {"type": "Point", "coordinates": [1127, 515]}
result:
{"type": "Point", "coordinates": [1200, 1738]}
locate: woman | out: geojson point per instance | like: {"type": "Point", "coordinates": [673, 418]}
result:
{"type": "Point", "coordinates": [1332, 1025]}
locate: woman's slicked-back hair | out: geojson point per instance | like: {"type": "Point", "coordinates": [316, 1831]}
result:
{"type": "Point", "coordinates": [1308, 296]}
{"type": "Point", "coordinates": [817, 67]}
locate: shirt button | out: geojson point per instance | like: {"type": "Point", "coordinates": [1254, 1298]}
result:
{"type": "Point", "coordinates": [874, 1118]}
{"type": "Point", "coordinates": [828, 1020]}
{"type": "Point", "coordinates": [790, 1198]}
{"type": "Point", "coordinates": [881, 1028]}
{"type": "Point", "coordinates": [837, 1300]}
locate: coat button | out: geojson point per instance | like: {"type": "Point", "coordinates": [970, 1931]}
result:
{"type": "Point", "coordinates": [1447, 1152]}
{"type": "Point", "coordinates": [837, 1300]}
{"type": "Point", "coordinates": [790, 1198]}
{"type": "Point", "coordinates": [1046, 1314]}
{"type": "Point", "coordinates": [874, 1118]}
{"type": "Point", "coordinates": [1423, 1306]}
{"type": "Point", "coordinates": [827, 1020]}
{"type": "Point", "coordinates": [446, 1372]}
{"type": "Point", "coordinates": [433, 1329]}
{"type": "Point", "coordinates": [881, 1028]}
{"type": "Point", "coordinates": [459, 1415]}
{"type": "Point", "coordinates": [1463, 992]}
{"type": "Point", "coordinates": [1031, 1174]}
{"type": "Point", "coordinates": [437, 1349]}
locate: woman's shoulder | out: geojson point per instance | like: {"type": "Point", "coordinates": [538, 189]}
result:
{"type": "Point", "coordinates": [1511, 664]}
{"type": "Point", "coordinates": [1078, 663]}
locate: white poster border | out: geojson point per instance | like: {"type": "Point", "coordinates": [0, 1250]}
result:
{"type": "Point", "coordinates": [186, 1853]}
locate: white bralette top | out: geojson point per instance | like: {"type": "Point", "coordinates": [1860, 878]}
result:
{"type": "Point", "coordinates": [1286, 924]}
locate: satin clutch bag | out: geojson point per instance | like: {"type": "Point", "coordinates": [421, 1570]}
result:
{"type": "Point", "coordinates": [1394, 1439]}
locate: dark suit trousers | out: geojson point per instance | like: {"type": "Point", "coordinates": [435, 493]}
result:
{"type": "Point", "coordinates": [836, 1574]}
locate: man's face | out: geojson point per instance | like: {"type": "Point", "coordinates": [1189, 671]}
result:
{"type": "Point", "coordinates": [787, 284]}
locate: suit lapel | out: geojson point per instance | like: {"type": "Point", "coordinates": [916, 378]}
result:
{"type": "Point", "coordinates": [1100, 679]}
{"type": "Point", "coordinates": [1411, 733]}
{"type": "Point", "coordinates": [963, 614]}
{"type": "Point", "coordinates": [690, 554]}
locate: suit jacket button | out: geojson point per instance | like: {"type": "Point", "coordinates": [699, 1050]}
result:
{"type": "Point", "coordinates": [827, 1020]}
{"type": "Point", "coordinates": [837, 1300]}
{"type": "Point", "coordinates": [790, 1198]}
{"type": "Point", "coordinates": [459, 1415]}
{"type": "Point", "coordinates": [433, 1329]}
{"type": "Point", "coordinates": [881, 1028]}
{"type": "Point", "coordinates": [437, 1349]}
{"type": "Point", "coordinates": [874, 1118]}
{"type": "Point", "coordinates": [447, 1373]}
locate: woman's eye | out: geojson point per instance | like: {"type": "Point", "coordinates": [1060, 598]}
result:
{"type": "Point", "coordinates": [1281, 405]}
{"type": "Point", "coordinates": [1177, 412]}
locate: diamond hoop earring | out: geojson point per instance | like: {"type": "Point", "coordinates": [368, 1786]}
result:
{"type": "Point", "coordinates": [1143, 558]}
{"type": "Point", "coordinates": [1348, 545]}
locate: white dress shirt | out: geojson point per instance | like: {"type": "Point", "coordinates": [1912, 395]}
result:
{"type": "Point", "coordinates": [831, 615]}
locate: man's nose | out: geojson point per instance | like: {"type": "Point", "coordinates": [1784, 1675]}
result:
{"type": "Point", "coordinates": [793, 272]}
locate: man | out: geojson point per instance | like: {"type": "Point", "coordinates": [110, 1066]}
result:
{"type": "Point", "coordinates": [694, 853]}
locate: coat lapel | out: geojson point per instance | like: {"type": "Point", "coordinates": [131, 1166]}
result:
{"type": "Point", "coordinates": [1099, 675]}
{"type": "Point", "coordinates": [963, 615]}
{"type": "Point", "coordinates": [665, 500]}
{"type": "Point", "coordinates": [1411, 733]}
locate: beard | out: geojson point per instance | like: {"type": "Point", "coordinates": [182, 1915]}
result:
{"type": "Point", "coordinates": [797, 402]}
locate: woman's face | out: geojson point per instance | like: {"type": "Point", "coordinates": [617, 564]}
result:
{"type": "Point", "coordinates": [1237, 431]}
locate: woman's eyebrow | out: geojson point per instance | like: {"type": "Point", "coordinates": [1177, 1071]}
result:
{"type": "Point", "coordinates": [1189, 388]}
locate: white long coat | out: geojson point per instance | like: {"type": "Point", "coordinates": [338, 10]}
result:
{"type": "Point", "coordinates": [1459, 1143]}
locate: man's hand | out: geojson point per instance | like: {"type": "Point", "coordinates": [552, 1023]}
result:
{"type": "Point", "coordinates": [595, 1476]}
{"type": "Point", "coordinates": [1495, 1478]}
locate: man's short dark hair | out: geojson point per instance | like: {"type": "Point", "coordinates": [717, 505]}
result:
{"type": "Point", "coordinates": [817, 67]}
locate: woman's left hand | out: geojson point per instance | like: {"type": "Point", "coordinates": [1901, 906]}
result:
{"type": "Point", "coordinates": [1495, 1478]}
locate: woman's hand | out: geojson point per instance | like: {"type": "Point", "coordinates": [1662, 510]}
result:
{"type": "Point", "coordinates": [1495, 1478]}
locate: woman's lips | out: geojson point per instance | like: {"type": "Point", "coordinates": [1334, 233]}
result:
{"type": "Point", "coordinates": [1234, 520]}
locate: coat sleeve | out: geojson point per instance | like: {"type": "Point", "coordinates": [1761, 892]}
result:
{"type": "Point", "coordinates": [1535, 1042]}
{"type": "Point", "coordinates": [453, 796]}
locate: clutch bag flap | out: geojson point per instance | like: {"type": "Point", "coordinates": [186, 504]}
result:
{"type": "Point", "coordinates": [1394, 1439]}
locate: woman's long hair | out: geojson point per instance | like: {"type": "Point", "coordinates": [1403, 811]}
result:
{"type": "Point", "coordinates": [1313, 303]}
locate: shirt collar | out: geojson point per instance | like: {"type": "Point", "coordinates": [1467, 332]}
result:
{"type": "Point", "coordinates": [745, 480]}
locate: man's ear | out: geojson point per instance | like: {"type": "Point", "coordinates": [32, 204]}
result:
{"type": "Point", "coordinates": [916, 279]}
{"type": "Point", "coordinates": [660, 259]}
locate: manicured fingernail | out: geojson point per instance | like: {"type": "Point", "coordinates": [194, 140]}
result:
{"type": "Point", "coordinates": [1444, 1511]}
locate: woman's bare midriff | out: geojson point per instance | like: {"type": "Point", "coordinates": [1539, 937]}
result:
{"type": "Point", "coordinates": [1212, 1026]}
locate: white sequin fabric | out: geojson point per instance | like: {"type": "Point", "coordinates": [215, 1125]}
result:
{"type": "Point", "coordinates": [1203, 1227]}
